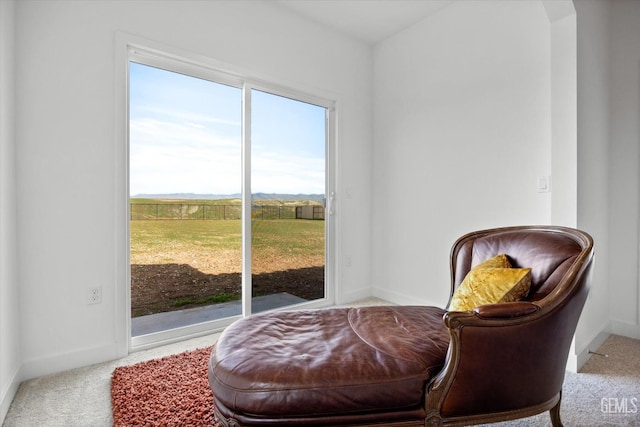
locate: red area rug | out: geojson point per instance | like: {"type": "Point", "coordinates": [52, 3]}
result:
{"type": "Point", "coordinates": [172, 391]}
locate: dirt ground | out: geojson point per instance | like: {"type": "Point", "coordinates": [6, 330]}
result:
{"type": "Point", "coordinates": [190, 280]}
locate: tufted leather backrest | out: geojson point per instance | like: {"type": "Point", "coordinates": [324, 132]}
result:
{"type": "Point", "coordinates": [548, 251]}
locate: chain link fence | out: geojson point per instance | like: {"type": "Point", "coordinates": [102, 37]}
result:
{"type": "Point", "coordinates": [200, 211]}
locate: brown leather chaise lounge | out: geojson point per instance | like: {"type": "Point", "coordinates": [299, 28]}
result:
{"type": "Point", "coordinates": [416, 365]}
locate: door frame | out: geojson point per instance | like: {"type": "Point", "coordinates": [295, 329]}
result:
{"type": "Point", "coordinates": [155, 54]}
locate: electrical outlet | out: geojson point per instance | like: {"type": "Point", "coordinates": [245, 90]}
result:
{"type": "Point", "coordinates": [95, 295]}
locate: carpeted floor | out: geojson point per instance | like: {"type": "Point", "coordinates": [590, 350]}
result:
{"type": "Point", "coordinates": [605, 393]}
{"type": "Point", "coordinates": [81, 397]}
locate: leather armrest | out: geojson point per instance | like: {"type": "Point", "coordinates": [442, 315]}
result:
{"type": "Point", "coordinates": [484, 344]}
{"type": "Point", "coordinates": [506, 310]}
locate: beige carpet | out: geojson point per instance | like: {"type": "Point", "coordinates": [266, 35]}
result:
{"type": "Point", "coordinates": [605, 393]}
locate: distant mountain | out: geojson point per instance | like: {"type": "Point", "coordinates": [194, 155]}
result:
{"type": "Point", "coordinates": [187, 196]}
{"type": "Point", "coordinates": [288, 197]}
{"type": "Point", "coordinates": [256, 196]}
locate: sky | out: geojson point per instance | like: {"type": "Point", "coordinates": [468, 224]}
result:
{"type": "Point", "coordinates": [185, 137]}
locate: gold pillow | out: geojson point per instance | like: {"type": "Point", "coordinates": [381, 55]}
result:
{"type": "Point", "coordinates": [486, 284]}
{"type": "Point", "coordinates": [498, 261]}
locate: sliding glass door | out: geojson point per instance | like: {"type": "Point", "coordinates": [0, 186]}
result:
{"type": "Point", "coordinates": [288, 183]}
{"type": "Point", "coordinates": [207, 154]}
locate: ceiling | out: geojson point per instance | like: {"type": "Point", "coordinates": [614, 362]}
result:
{"type": "Point", "coordinates": [368, 20]}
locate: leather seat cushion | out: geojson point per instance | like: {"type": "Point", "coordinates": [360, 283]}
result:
{"type": "Point", "coordinates": [333, 361]}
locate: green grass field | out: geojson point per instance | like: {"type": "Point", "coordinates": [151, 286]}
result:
{"type": "Point", "coordinates": [302, 238]}
{"type": "Point", "coordinates": [152, 237]}
{"type": "Point", "coordinates": [271, 239]}
{"type": "Point", "coordinates": [191, 261]}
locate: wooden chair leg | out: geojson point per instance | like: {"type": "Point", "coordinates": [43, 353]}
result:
{"type": "Point", "coordinates": [554, 413]}
{"type": "Point", "coordinates": [433, 421]}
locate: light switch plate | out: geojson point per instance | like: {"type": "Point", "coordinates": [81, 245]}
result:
{"type": "Point", "coordinates": [544, 184]}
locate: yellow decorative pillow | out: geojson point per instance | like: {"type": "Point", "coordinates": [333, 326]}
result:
{"type": "Point", "coordinates": [490, 285]}
{"type": "Point", "coordinates": [498, 261]}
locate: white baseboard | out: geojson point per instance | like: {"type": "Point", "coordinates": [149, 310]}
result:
{"type": "Point", "coordinates": [582, 354]}
{"type": "Point", "coordinates": [626, 329]}
{"type": "Point", "coordinates": [52, 364]}
{"type": "Point", "coordinates": [402, 299]}
{"type": "Point", "coordinates": [346, 298]}
{"type": "Point", "coordinates": [9, 393]}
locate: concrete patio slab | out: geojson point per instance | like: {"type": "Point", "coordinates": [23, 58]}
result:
{"type": "Point", "coordinates": [158, 322]}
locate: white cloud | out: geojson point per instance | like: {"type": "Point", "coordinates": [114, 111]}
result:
{"type": "Point", "coordinates": [279, 173]}
{"type": "Point", "coordinates": [169, 157]}
{"type": "Point", "coordinates": [187, 116]}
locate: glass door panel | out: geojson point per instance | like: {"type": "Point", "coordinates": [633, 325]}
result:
{"type": "Point", "coordinates": [288, 186]}
{"type": "Point", "coordinates": [185, 210]}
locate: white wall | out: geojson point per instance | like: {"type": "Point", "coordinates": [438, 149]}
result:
{"type": "Point", "coordinates": [593, 29]}
{"type": "Point", "coordinates": [462, 130]}
{"type": "Point", "coordinates": [564, 151]}
{"type": "Point", "coordinates": [9, 292]}
{"type": "Point", "coordinates": [625, 165]}
{"type": "Point", "coordinates": [66, 154]}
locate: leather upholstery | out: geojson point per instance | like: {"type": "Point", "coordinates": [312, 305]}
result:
{"type": "Point", "coordinates": [409, 365]}
{"type": "Point", "coordinates": [549, 255]}
{"type": "Point", "coordinates": [308, 364]}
